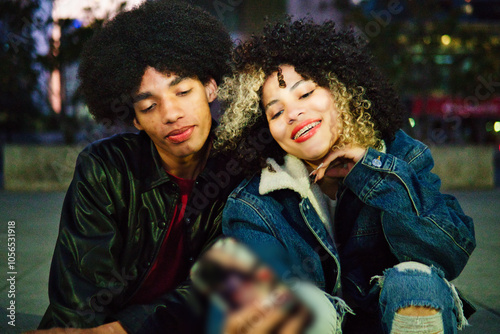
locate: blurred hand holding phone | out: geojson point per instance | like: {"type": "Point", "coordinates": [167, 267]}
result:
{"type": "Point", "coordinates": [247, 290]}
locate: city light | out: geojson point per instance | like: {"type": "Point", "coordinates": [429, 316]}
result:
{"type": "Point", "coordinates": [64, 9]}
{"type": "Point", "coordinates": [412, 122]}
{"type": "Point", "coordinates": [496, 127]}
{"type": "Point", "coordinates": [468, 9]}
{"type": "Point", "coordinates": [445, 39]}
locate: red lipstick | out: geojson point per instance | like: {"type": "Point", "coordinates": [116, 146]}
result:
{"type": "Point", "coordinates": [305, 130]}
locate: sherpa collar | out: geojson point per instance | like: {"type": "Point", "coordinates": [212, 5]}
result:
{"type": "Point", "coordinates": [293, 175]}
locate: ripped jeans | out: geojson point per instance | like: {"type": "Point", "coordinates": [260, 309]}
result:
{"type": "Point", "coordinates": [415, 284]}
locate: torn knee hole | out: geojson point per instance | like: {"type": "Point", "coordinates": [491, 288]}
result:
{"type": "Point", "coordinates": [412, 265]}
{"type": "Point", "coordinates": [417, 311]}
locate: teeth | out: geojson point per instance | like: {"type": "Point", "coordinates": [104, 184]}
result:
{"type": "Point", "coordinates": [305, 129]}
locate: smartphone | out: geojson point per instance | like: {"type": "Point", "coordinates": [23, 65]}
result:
{"type": "Point", "coordinates": [232, 275]}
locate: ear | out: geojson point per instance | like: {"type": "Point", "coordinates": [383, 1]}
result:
{"type": "Point", "coordinates": [137, 125]}
{"type": "Point", "coordinates": [211, 90]}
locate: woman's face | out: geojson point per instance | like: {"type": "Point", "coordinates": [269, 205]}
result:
{"type": "Point", "coordinates": [302, 116]}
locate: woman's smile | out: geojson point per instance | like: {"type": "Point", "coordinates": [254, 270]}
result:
{"type": "Point", "coordinates": [302, 116]}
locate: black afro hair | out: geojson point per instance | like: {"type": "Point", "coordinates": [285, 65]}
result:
{"type": "Point", "coordinates": [172, 37]}
{"type": "Point", "coordinates": [318, 49]}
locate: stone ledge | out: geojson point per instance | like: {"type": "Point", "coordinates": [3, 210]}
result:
{"type": "Point", "coordinates": [50, 168]}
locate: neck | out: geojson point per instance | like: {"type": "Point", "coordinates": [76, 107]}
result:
{"type": "Point", "coordinates": [312, 165]}
{"type": "Point", "coordinates": [187, 167]}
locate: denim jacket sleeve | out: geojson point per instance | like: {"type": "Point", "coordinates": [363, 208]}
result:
{"type": "Point", "coordinates": [249, 222]}
{"type": "Point", "coordinates": [419, 222]}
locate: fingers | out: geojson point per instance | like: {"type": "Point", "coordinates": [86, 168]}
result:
{"type": "Point", "coordinates": [339, 162]}
{"type": "Point", "coordinates": [109, 328]}
{"type": "Point", "coordinates": [337, 169]}
{"type": "Point", "coordinates": [265, 317]}
{"type": "Point", "coordinates": [60, 331]}
{"type": "Point", "coordinates": [331, 161]}
{"type": "Point", "coordinates": [297, 323]}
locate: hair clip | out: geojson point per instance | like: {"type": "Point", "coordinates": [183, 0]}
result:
{"type": "Point", "coordinates": [281, 81]}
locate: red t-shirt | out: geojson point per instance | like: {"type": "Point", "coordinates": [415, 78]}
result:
{"type": "Point", "coordinates": [171, 266]}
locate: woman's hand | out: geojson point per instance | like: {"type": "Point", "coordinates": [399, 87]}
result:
{"type": "Point", "coordinates": [338, 163]}
{"type": "Point", "coordinates": [282, 314]}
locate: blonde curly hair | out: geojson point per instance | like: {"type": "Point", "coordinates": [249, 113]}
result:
{"type": "Point", "coordinates": [241, 96]}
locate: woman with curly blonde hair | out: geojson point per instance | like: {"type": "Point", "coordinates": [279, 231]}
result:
{"type": "Point", "coordinates": [337, 194]}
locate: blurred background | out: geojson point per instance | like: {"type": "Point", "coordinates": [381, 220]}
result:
{"type": "Point", "coordinates": [443, 56]}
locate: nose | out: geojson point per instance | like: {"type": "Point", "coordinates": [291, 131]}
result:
{"type": "Point", "coordinates": [293, 113]}
{"type": "Point", "coordinates": [170, 111]}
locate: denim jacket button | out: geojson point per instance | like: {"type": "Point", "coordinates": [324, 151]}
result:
{"type": "Point", "coordinates": [376, 163]}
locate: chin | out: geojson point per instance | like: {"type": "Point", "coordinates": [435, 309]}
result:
{"type": "Point", "coordinates": [314, 154]}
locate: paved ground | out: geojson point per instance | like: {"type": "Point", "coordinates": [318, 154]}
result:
{"type": "Point", "coordinates": [36, 217]}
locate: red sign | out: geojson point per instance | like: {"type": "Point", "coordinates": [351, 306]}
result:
{"type": "Point", "coordinates": [446, 106]}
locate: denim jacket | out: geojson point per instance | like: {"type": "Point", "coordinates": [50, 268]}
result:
{"type": "Point", "coordinates": [389, 210]}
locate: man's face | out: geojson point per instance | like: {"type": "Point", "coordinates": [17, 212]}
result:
{"type": "Point", "coordinates": [174, 112]}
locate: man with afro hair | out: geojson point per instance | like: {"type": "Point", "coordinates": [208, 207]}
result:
{"type": "Point", "coordinates": [143, 206]}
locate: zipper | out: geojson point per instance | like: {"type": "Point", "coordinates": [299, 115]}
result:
{"type": "Point", "coordinates": [339, 198]}
{"type": "Point", "coordinates": [337, 281]}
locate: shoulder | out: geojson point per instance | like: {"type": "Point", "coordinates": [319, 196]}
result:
{"type": "Point", "coordinates": [124, 155]}
{"type": "Point", "coordinates": [124, 143]}
{"type": "Point", "coordinates": [127, 147]}
{"type": "Point", "coordinates": [407, 148]}
{"type": "Point", "coordinates": [247, 187]}
{"type": "Point", "coordinates": [247, 195]}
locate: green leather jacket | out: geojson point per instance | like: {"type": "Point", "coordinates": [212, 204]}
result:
{"type": "Point", "coordinates": [114, 219]}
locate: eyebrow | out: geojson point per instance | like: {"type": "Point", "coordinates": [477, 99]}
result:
{"type": "Point", "coordinates": [141, 96]}
{"type": "Point", "coordinates": [177, 81]}
{"type": "Point", "coordinates": [145, 95]}
{"type": "Point", "coordinates": [295, 85]}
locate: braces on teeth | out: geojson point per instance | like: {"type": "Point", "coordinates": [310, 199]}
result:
{"type": "Point", "coordinates": [305, 129]}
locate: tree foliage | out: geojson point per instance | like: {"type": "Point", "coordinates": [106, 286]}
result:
{"type": "Point", "coordinates": [18, 58]}
{"type": "Point", "coordinates": [428, 47]}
